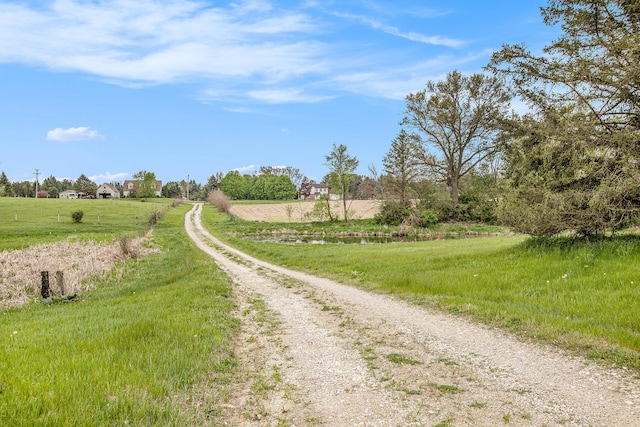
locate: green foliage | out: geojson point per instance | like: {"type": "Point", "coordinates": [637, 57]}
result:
{"type": "Point", "coordinates": [146, 184]}
{"type": "Point", "coordinates": [6, 189]}
{"type": "Point", "coordinates": [427, 218]}
{"type": "Point", "coordinates": [564, 175]}
{"type": "Point", "coordinates": [76, 216]}
{"type": "Point", "coordinates": [258, 187]}
{"type": "Point", "coordinates": [172, 190]}
{"type": "Point", "coordinates": [577, 154]}
{"type": "Point", "coordinates": [459, 118]}
{"type": "Point", "coordinates": [402, 168]}
{"type": "Point", "coordinates": [479, 196]}
{"type": "Point", "coordinates": [392, 213]}
{"type": "Point", "coordinates": [321, 210]}
{"type": "Point", "coordinates": [85, 185]}
{"type": "Point", "coordinates": [341, 168]}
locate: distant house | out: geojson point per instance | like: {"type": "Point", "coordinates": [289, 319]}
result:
{"type": "Point", "coordinates": [317, 191]}
{"type": "Point", "coordinates": [68, 194]}
{"type": "Point", "coordinates": [129, 188]}
{"type": "Point", "coordinates": [107, 191]}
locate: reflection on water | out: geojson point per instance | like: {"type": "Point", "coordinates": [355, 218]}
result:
{"type": "Point", "coordinates": [358, 240]}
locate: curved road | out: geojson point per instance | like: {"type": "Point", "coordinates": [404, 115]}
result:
{"type": "Point", "coordinates": [357, 358]}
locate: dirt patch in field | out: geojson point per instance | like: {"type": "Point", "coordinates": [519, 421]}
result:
{"type": "Point", "coordinates": [297, 211]}
{"type": "Point", "coordinates": [20, 278]}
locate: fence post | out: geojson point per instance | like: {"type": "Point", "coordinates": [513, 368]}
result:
{"type": "Point", "coordinates": [60, 281]}
{"type": "Point", "coordinates": [45, 290]}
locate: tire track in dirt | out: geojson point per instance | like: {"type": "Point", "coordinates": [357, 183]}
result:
{"type": "Point", "coordinates": [357, 358]}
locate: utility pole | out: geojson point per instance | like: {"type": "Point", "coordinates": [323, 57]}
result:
{"type": "Point", "coordinates": [36, 173]}
{"type": "Point", "coordinates": [187, 187]}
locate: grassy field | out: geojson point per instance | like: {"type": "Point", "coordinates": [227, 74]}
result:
{"type": "Point", "coordinates": [24, 222]}
{"type": "Point", "coordinates": [152, 349]}
{"type": "Point", "coordinates": [583, 296]}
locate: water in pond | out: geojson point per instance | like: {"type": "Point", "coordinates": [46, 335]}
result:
{"type": "Point", "coordinates": [322, 240]}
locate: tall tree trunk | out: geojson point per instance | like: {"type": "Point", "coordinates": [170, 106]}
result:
{"type": "Point", "coordinates": [344, 201]}
{"type": "Point", "coordinates": [453, 191]}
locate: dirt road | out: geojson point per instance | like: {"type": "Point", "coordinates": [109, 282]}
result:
{"type": "Point", "coordinates": [315, 352]}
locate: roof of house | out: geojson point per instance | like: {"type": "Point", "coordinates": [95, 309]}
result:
{"type": "Point", "coordinates": [110, 187]}
{"type": "Point", "coordinates": [158, 183]}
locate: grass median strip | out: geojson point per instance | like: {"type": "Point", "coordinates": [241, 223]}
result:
{"type": "Point", "coordinates": [152, 349]}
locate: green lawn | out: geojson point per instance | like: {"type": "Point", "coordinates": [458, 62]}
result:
{"type": "Point", "coordinates": [24, 222]}
{"type": "Point", "coordinates": [153, 349]}
{"type": "Point", "coordinates": [583, 296]}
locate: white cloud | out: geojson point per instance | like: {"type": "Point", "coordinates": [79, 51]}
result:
{"type": "Point", "coordinates": [413, 36]}
{"type": "Point", "coordinates": [73, 134]}
{"type": "Point", "coordinates": [110, 177]}
{"type": "Point", "coordinates": [385, 83]}
{"type": "Point", "coordinates": [247, 168]}
{"type": "Point", "coordinates": [281, 96]}
{"type": "Point", "coordinates": [158, 42]}
{"type": "Point", "coordinates": [248, 50]}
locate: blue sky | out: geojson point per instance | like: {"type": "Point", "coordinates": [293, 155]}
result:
{"type": "Point", "coordinates": [182, 88]}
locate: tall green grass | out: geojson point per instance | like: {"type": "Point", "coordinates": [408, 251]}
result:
{"type": "Point", "coordinates": [578, 294]}
{"type": "Point", "coordinates": [153, 349]}
{"type": "Point", "coordinates": [24, 222]}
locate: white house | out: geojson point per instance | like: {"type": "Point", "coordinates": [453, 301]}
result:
{"type": "Point", "coordinates": [68, 194]}
{"type": "Point", "coordinates": [129, 188]}
{"type": "Point", "coordinates": [107, 191]}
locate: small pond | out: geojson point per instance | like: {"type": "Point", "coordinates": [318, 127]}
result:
{"type": "Point", "coordinates": [358, 240]}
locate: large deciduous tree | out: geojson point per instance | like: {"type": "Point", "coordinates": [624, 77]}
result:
{"type": "Point", "coordinates": [457, 121]}
{"type": "Point", "coordinates": [342, 166]}
{"type": "Point", "coordinates": [146, 184]}
{"type": "Point", "coordinates": [85, 185]}
{"type": "Point", "coordinates": [294, 174]}
{"type": "Point", "coordinates": [574, 162]}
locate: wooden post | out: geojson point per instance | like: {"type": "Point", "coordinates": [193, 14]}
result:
{"type": "Point", "coordinates": [45, 290]}
{"type": "Point", "coordinates": [60, 281]}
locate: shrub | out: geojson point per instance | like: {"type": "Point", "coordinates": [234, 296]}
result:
{"type": "Point", "coordinates": [220, 200]}
{"type": "Point", "coordinates": [76, 216]}
{"type": "Point", "coordinates": [321, 210]}
{"type": "Point", "coordinates": [155, 217]}
{"type": "Point", "coordinates": [427, 218]}
{"type": "Point", "coordinates": [392, 213]}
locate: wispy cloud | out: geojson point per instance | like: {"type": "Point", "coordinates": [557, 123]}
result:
{"type": "Point", "coordinates": [158, 42]}
{"type": "Point", "coordinates": [82, 133]}
{"type": "Point", "coordinates": [385, 83]}
{"type": "Point", "coordinates": [250, 51]}
{"type": "Point", "coordinates": [281, 96]}
{"type": "Point", "coordinates": [411, 35]}
{"type": "Point", "coordinates": [110, 177]}
{"type": "Point", "coordinates": [248, 168]}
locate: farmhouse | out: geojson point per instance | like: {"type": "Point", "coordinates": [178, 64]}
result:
{"type": "Point", "coordinates": [129, 188]}
{"type": "Point", "coordinates": [68, 194]}
{"type": "Point", "coordinates": [316, 191]}
{"type": "Point", "coordinates": [107, 191]}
